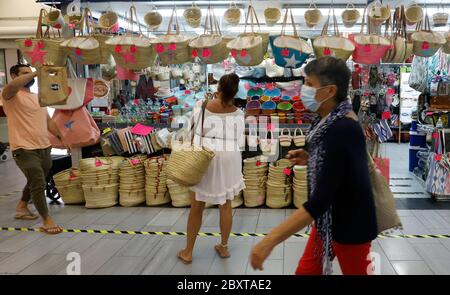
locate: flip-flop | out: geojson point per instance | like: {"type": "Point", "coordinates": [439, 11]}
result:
{"type": "Point", "coordinates": [54, 230]}
{"type": "Point", "coordinates": [25, 216]}
{"type": "Point", "coordinates": [217, 248]}
{"type": "Point", "coordinates": [182, 259]}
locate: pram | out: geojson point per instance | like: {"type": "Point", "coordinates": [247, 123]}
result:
{"type": "Point", "coordinates": [60, 163]}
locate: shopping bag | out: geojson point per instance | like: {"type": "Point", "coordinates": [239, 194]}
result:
{"type": "Point", "coordinates": [53, 85]}
{"type": "Point", "coordinates": [77, 127]}
{"type": "Point", "coordinates": [383, 165]}
{"type": "Point", "coordinates": [80, 91]}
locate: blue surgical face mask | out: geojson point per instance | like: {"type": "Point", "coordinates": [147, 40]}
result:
{"type": "Point", "coordinates": [308, 97]}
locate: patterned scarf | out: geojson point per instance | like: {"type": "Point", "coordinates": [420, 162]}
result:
{"type": "Point", "coordinates": [318, 131]}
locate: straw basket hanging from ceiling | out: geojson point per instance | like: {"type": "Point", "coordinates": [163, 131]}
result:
{"type": "Point", "coordinates": [378, 13]}
{"type": "Point", "coordinates": [350, 16]}
{"type": "Point", "coordinates": [193, 16]}
{"type": "Point", "coordinates": [153, 19]}
{"type": "Point", "coordinates": [440, 18]}
{"type": "Point", "coordinates": [272, 15]}
{"type": "Point", "coordinates": [312, 15]}
{"type": "Point", "coordinates": [233, 15]}
{"type": "Point", "coordinates": [413, 14]}
{"type": "Point", "coordinates": [425, 42]}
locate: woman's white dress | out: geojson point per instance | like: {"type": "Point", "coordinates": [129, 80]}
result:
{"type": "Point", "coordinates": [224, 134]}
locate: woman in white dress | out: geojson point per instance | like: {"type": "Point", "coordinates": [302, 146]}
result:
{"type": "Point", "coordinates": [223, 132]}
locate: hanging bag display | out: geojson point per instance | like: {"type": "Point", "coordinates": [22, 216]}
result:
{"type": "Point", "coordinates": [129, 51]}
{"type": "Point", "coordinates": [172, 48]}
{"type": "Point", "coordinates": [350, 16]}
{"type": "Point", "coordinates": [233, 15]}
{"type": "Point", "coordinates": [43, 50]}
{"type": "Point", "coordinates": [299, 139]}
{"type": "Point", "coordinates": [446, 47]}
{"type": "Point", "coordinates": [54, 18]}
{"type": "Point", "coordinates": [248, 49]}
{"type": "Point", "coordinates": [53, 87]}
{"type": "Point", "coordinates": [312, 16]}
{"type": "Point", "coordinates": [77, 127]}
{"type": "Point", "coordinates": [74, 16]}
{"type": "Point", "coordinates": [153, 18]}
{"type": "Point", "coordinates": [290, 51]}
{"type": "Point", "coordinates": [425, 42]}
{"type": "Point", "coordinates": [209, 47]}
{"type": "Point", "coordinates": [335, 45]}
{"type": "Point", "coordinates": [87, 48]}
{"type": "Point", "coordinates": [193, 16]}
{"type": "Point", "coordinates": [369, 49]}
{"type": "Point", "coordinates": [188, 163]}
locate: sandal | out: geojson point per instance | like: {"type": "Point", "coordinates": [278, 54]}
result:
{"type": "Point", "coordinates": [218, 248]}
{"type": "Point", "coordinates": [182, 259]}
{"type": "Point", "coordinates": [54, 230]}
{"type": "Point", "coordinates": [25, 216]}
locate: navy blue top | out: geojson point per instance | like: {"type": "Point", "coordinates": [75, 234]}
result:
{"type": "Point", "coordinates": [345, 185]}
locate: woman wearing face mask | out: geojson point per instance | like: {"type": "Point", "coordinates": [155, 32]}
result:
{"type": "Point", "coordinates": [340, 202]}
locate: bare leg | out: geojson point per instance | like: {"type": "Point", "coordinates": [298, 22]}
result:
{"type": "Point", "coordinates": [193, 227]}
{"type": "Point", "coordinates": [226, 221]}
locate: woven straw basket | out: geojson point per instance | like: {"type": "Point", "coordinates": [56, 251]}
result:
{"type": "Point", "coordinates": [278, 196]}
{"type": "Point", "coordinates": [43, 43]}
{"type": "Point", "coordinates": [233, 15]}
{"type": "Point", "coordinates": [180, 195]}
{"type": "Point", "coordinates": [255, 171]}
{"type": "Point", "coordinates": [153, 19]}
{"type": "Point", "coordinates": [71, 194]}
{"type": "Point", "coordinates": [272, 15]}
{"type": "Point", "coordinates": [131, 198]}
{"type": "Point", "coordinates": [425, 42]}
{"type": "Point", "coordinates": [67, 177]}
{"type": "Point", "coordinates": [312, 16]}
{"type": "Point", "coordinates": [335, 45]}
{"type": "Point", "coordinates": [378, 14]}
{"type": "Point", "coordinates": [101, 196]}
{"type": "Point", "coordinates": [413, 14]}
{"type": "Point", "coordinates": [300, 186]}
{"type": "Point", "coordinates": [237, 201]}
{"type": "Point", "coordinates": [193, 16]}
{"type": "Point", "coordinates": [440, 19]}
{"type": "Point", "coordinates": [172, 48]}
{"type": "Point", "coordinates": [109, 21]}
{"type": "Point", "coordinates": [132, 52]}
{"type": "Point", "coordinates": [350, 16]}
{"type": "Point", "coordinates": [156, 192]}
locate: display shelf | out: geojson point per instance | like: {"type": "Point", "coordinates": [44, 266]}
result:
{"type": "Point", "coordinates": [275, 79]}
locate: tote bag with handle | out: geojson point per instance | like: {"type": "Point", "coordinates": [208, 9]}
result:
{"type": "Point", "coordinates": [263, 34]}
{"type": "Point", "coordinates": [335, 45]}
{"type": "Point", "coordinates": [172, 48]}
{"type": "Point", "coordinates": [188, 163]}
{"type": "Point", "coordinates": [290, 51]}
{"type": "Point", "coordinates": [42, 49]}
{"type": "Point", "coordinates": [425, 42]}
{"type": "Point", "coordinates": [369, 49]}
{"type": "Point", "coordinates": [81, 92]}
{"type": "Point", "coordinates": [248, 49]}
{"type": "Point", "coordinates": [53, 86]}
{"type": "Point", "coordinates": [209, 47]}
{"type": "Point", "coordinates": [77, 127]}
{"type": "Point", "coordinates": [130, 51]}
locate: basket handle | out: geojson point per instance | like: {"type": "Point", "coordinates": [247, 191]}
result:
{"type": "Point", "coordinates": [39, 34]}
{"type": "Point", "coordinates": [350, 4]}
{"type": "Point", "coordinates": [169, 28]}
{"type": "Point", "coordinates": [283, 33]}
{"type": "Point", "coordinates": [296, 132]}
{"type": "Point", "coordinates": [131, 21]}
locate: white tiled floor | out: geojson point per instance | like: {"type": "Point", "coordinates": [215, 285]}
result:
{"type": "Point", "coordinates": [36, 253]}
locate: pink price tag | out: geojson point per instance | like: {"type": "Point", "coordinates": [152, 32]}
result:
{"type": "Point", "coordinates": [98, 163]}
{"type": "Point", "coordinates": [438, 157]}
{"type": "Point", "coordinates": [187, 92]}
{"type": "Point", "coordinates": [258, 163]}
{"type": "Point", "coordinates": [72, 175]}
{"type": "Point", "coordinates": [135, 161]}
{"type": "Point", "coordinates": [287, 171]}
{"type": "Point", "coordinates": [271, 127]}
{"type": "Point", "coordinates": [435, 135]}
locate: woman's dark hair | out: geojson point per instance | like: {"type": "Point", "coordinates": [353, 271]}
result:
{"type": "Point", "coordinates": [16, 68]}
{"type": "Point", "coordinates": [228, 86]}
{"type": "Point", "coordinates": [331, 71]}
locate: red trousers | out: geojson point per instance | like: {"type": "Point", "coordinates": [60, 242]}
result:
{"type": "Point", "coordinates": [353, 259]}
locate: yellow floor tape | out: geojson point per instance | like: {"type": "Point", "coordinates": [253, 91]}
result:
{"type": "Point", "coordinates": [131, 232]}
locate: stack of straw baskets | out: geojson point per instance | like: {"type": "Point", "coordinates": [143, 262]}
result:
{"type": "Point", "coordinates": [300, 186]}
{"type": "Point", "coordinates": [255, 176]}
{"type": "Point", "coordinates": [100, 181]}
{"type": "Point", "coordinates": [68, 184]}
{"type": "Point", "coordinates": [180, 195]}
{"type": "Point", "coordinates": [132, 182]}
{"type": "Point", "coordinates": [156, 192]}
{"type": "Point", "coordinates": [279, 187]}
